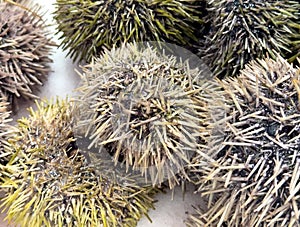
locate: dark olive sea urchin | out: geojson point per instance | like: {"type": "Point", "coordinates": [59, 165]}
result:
{"type": "Point", "coordinates": [142, 107]}
{"type": "Point", "coordinates": [24, 50]}
{"type": "Point", "coordinates": [47, 181]}
{"type": "Point", "coordinates": [243, 30]}
{"type": "Point", "coordinates": [89, 26]}
{"type": "Point", "coordinates": [253, 177]}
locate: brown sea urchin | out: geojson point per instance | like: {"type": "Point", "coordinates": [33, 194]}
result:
{"type": "Point", "coordinates": [142, 107]}
{"type": "Point", "coordinates": [89, 26]}
{"type": "Point", "coordinates": [243, 30]}
{"type": "Point", "coordinates": [253, 177]}
{"type": "Point", "coordinates": [47, 181]}
{"type": "Point", "coordinates": [24, 50]}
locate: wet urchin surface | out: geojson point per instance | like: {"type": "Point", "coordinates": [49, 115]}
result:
{"type": "Point", "coordinates": [89, 26]}
{"type": "Point", "coordinates": [252, 177]}
{"type": "Point", "coordinates": [243, 30]}
{"type": "Point", "coordinates": [48, 183]}
{"type": "Point", "coordinates": [24, 50]}
{"type": "Point", "coordinates": [142, 107]}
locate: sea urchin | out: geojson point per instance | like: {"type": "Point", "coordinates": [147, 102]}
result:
{"type": "Point", "coordinates": [47, 181]}
{"type": "Point", "coordinates": [142, 107]}
{"type": "Point", "coordinates": [24, 50]}
{"type": "Point", "coordinates": [243, 30]}
{"type": "Point", "coordinates": [89, 26]}
{"type": "Point", "coordinates": [253, 176]}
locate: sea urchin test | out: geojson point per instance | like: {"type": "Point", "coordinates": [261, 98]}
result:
{"type": "Point", "coordinates": [87, 27]}
{"type": "Point", "coordinates": [46, 181]}
{"type": "Point", "coordinates": [252, 177]}
{"type": "Point", "coordinates": [142, 107]}
{"type": "Point", "coordinates": [242, 31]}
{"type": "Point", "coordinates": [24, 50]}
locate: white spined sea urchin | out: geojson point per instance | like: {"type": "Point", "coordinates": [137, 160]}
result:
{"type": "Point", "coordinates": [24, 50]}
{"type": "Point", "coordinates": [47, 182]}
{"type": "Point", "coordinates": [252, 178]}
{"type": "Point", "coordinates": [89, 26]}
{"type": "Point", "coordinates": [243, 30]}
{"type": "Point", "coordinates": [142, 106]}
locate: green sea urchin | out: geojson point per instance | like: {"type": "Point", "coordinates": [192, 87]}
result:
{"type": "Point", "coordinates": [89, 26]}
{"type": "Point", "coordinates": [47, 181]}
{"type": "Point", "coordinates": [142, 107]}
{"type": "Point", "coordinates": [245, 30]}
{"type": "Point", "coordinates": [252, 178]}
{"type": "Point", "coordinates": [24, 50]}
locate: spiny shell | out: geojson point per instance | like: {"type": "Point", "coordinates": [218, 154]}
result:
{"type": "Point", "coordinates": [243, 30]}
{"type": "Point", "coordinates": [24, 50]}
{"type": "Point", "coordinates": [252, 177]}
{"type": "Point", "coordinates": [89, 26]}
{"type": "Point", "coordinates": [48, 182]}
{"type": "Point", "coordinates": [143, 108]}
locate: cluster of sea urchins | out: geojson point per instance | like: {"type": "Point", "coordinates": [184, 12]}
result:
{"type": "Point", "coordinates": [253, 177]}
{"type": "Point", "coordinates": [142, 107]}
{"type": "Point", "coordinates": [47, 181]}
{"type": "Point", "coordinates": [89, 26]}
{"type": "Point", "coordinates": [24, 50]}
{"type": "Point", "coordinates": [243, 30]}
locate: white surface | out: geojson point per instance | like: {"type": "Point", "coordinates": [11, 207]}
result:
{"type": "Point", "coordinates": [61, 82]}
{"type": "Point", "coordinates": [172, 212]}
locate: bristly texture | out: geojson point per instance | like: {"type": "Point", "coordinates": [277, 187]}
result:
{"type": "Point", "coordinates": [89, 26]}
{"type": "Point", "coordinates": [253, 177]}
{"type": "Point", "coordinates": [295, 56]}
{"type": "Point", "coordinates": [143, 107]}
{"type": "Point", "coordinates": [24, 50]}
{"type": "Point", "coordinates": [242, 31]}
{"type": "Point", "coordinates": [6, 131]}
{"type": "Point", "coordinates": [47, 181]}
